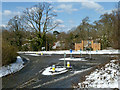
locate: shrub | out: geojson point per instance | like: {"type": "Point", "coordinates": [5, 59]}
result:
{"type": "Point", "coordinates": [8, 53]}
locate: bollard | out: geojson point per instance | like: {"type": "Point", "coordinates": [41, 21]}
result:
{"type": "Point", "coordinates": [68, 64]}
{"type": "Point", "coordinates": [53, 68]}
{"type": "Point", "coordinates": [41, 53]}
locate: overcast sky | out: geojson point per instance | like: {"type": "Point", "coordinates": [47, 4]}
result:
{"type": "Point", "coordinates": [69, 14]}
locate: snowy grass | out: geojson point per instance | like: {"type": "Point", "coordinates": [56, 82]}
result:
{"type": "Point", "coordinates": [12, 68]}
{"type": "Point", "coordinates": [74, 52]}
{"type": "Point", "coordinates": [104, 77]}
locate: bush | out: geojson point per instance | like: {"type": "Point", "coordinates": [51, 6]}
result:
{"type": "Point", "coordinates": [8, 53]}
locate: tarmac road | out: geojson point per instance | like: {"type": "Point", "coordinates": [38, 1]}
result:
{"type": "Point", "coordinates": [30, 76]}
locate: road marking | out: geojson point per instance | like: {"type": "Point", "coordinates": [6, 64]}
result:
{"type": "Point", "coordinates": [55, 80]}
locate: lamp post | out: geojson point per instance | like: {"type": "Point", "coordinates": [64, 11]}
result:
{"type": "Point", "coordinates": [46, 42]}
{"type": "Point", "coordinates": [16, 25]}
{"type": "Point", "coordinates": [88, 43]}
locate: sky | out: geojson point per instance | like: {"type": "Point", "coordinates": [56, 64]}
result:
{"type": "Point", "coordinates": [69, 14]}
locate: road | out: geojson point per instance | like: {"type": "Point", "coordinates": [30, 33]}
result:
{"type": "Point", "coordinates": [30, 76]}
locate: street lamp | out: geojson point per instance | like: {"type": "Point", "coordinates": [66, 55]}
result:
{"type": "Point", "coordinates": [16, 25]}
{"type": "Point", "coordinates": [89, 42]}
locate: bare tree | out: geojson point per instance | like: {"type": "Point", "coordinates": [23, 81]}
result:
{"type": "Point", "coordinates": [116, 26]}
{"type": "Point", "coordinates": [16, 26]}
{"type": "Point", "coordinates": [40, 19]}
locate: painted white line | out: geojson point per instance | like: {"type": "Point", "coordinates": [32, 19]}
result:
{"type": "Point", "coordinates": [55, 80]}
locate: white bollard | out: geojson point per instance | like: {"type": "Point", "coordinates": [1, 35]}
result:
{"type": "Point", "coordinates": [41, 53]}
{"type": "Point", "coordinates": [53, 68]}
{"type": "Point", "coordinates": [68, 64]}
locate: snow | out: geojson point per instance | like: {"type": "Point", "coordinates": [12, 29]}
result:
{"type": "Point", "coordinates": [60, 70]}
{"type": "Point", "coordinates": [12, 68]}
{"type": "Point", "coordinates": [73, 59]}
{"type": "Point", "coordinates": [74, 52]}
{"type": "Point", "coordinates": [33, 54]}
{"type": "Point", "coordinates": [57, 44]}
{"type": "Point", "coordinates": [40, 54]}
{"type": "Point", "coordinates": [105, 77]}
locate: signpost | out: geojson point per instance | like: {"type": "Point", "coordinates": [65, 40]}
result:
{"type": "Point", "coordinates": [71, 53]}
{"type": "Point", "coordinates": [89, 51]}
{"type": "Point", "coordinates": [64, 58]}
{"type": "Point", "coordinates": [80, 52]}
{"type": "Point", "coordinates": [90, 54]}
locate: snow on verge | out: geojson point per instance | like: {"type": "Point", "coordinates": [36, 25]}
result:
{"type": "Point", "coordinates": [33, 54]}
{"type": "Point", "coordinates": [12, 68]}
{"type": "Point", "coordinates": [74, 52]}
{"type": "Point", "coordinates": [106, 77]}
{"type": "Point", "coordinates": [73, 59]}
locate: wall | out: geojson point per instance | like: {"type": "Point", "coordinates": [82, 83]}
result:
{"type": "Point", "coordinates": [95, 46]}
{"type": "Point", "coordinates": [79, 46]}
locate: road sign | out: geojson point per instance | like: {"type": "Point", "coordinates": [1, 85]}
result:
{"type": "Point", "coordinates": [64, 54]}
{"type": "Point", "coordinates": [70, 50]}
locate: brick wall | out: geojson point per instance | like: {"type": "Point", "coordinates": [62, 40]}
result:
{"type": "Point", "coordinates": [95, 46]}
{"type": "Point", "coordinates": [78, 46]}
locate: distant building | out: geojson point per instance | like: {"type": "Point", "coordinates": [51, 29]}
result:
{"type": "Point", "coordinates": [56, 45]}
{"type": "Point", "coordinates": [87, 44]}
{"type": "Point", "coordinates": [59, 45]}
